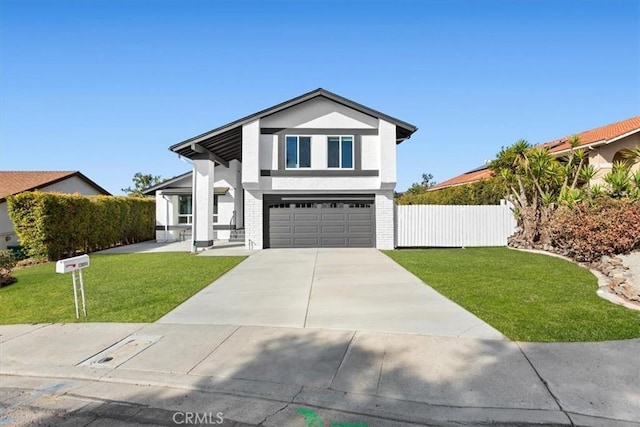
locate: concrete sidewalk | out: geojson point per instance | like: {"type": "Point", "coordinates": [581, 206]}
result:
{"type": "Point", "coordinates": [220, 248]}
{"type": "Point", "coordinates": [350, 289]}
{"type": "Point", "coordinates": [266, 376]}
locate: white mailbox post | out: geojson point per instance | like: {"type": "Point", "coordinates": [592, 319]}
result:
{"type": "Point", "coordinates": [72, 265]}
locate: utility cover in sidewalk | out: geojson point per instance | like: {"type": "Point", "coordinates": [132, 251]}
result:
{"type": "Point", "coordinates": [120, 352]}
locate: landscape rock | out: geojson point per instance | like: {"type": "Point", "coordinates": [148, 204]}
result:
{"type": "Point", "coordinates": [623, 281]}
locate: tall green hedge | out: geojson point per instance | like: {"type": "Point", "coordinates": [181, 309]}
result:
{"type": "Point", "coordinates": [483, 192]}
{"type": "Point", "coordinates": [53, 225]}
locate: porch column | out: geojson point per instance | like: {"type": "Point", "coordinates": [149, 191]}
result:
{"type": "Point", "coordinates": [162, 219]}
{"type": "Point", "coordinates": [203, 180]}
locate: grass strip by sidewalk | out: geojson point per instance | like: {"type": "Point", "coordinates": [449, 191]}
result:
{"type": "Point", "coordinates": [119, 288]}
{"type": "Point", "coordinates": [527, 297]}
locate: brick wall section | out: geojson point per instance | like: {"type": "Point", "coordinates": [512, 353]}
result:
{"type": "Point", "coordinates": [385, 225]}
{"type": "Point", "coordinates": [253, 219]}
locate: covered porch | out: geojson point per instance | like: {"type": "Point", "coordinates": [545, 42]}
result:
{"type": "Point", "coordinates": [177, 208]}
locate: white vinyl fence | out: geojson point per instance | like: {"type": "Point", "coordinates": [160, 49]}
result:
{"type": "Point", "coordinates": [453, 226]}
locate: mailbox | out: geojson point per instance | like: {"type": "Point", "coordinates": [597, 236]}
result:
{"type": "Point", "coordinates": [72, 264]}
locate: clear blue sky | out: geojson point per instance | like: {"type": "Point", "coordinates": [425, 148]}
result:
{"type": "Point", "coordinates": [105, 87]}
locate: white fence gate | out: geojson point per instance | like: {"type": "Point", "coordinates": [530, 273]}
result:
{"type": "Point", "coordinates": [453, 226]}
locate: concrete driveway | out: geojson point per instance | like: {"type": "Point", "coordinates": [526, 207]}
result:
{"type": "Point", "coordinates": [353, 289]}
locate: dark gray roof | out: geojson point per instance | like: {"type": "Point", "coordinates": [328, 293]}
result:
{"type": "Point", "coordinates": [226, 141]}
{"type": "Point", "coordinates": [167, 187]}
{"type": "Point", "coordinates": [150, 191]}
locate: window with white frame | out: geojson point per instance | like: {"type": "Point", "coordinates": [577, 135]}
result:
{"type": "Point", "coordinates": [298, 152]}
{"type": "Point", "coordinates": [340, 152]}
{"type": "Point", "coordinates": [185, 213]}
{"type": "Point", "coordinates": [215, 208]}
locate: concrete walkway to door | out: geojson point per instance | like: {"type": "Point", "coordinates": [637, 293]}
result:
{"type": "Point", "coordinates": [359, 289]}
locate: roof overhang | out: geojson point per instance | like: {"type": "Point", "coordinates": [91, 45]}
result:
{"type": "Point", "coordinates": [225, 142]}
{"type": "Point", "coordinates": [596, 143]}
{"type": "Point", "coordinates": [186, 191]}
{"type": "Point", "coordinates": [149, 191]}
{"type": "Point", "coordinates": [169, 188]}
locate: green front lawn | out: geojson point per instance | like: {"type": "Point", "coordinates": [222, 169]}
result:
{"type": "Point", "coordinates": [527, 297]}
{"type": "Point", "coordinates": [118, 288]}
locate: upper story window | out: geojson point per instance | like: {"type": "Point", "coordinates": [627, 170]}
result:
{"type": "Point", "coordinates": [340, 152]}
{"type": "Point", "coordinates": [298, 152]}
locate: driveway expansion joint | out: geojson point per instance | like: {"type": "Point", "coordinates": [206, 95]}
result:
{"type": "Point", "coordinates": [344, 357]}
{"type": "Point", "coordinates": [214, 349]}
{"type": "Point", "coordinates": [384, 353]}
{"type": "Point", "coordinates": [545, 383]}
{"type": "Point", "coordinates": [313, 276]}
{"type": "Point", "coordinates": [42, 326]}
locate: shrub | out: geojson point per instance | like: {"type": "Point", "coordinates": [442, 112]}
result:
{"type": "Point", "coordinates": [52, 225]}
{"type": "Point", "coordinates": [7, 262]}
{"type": "Point", "coordinates": [484, 192]}
{"type": "Point", "coordinates": [18, 252]}
{"type": "Point", "coordinates": [605, 226]}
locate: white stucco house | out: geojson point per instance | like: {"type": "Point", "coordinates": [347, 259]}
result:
{"type": "Point", "coordinates": [318, 170]}
{"type": "Point", "coordinates": [14, 182]}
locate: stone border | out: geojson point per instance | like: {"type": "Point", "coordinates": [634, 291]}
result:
{"type": "Point", "coordinates": [603, 291]}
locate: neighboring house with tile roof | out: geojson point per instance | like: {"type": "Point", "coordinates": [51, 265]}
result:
{"type": "Point", "coordinates": [14, 182]}
{"type": "Point", "coordinates": [604, 145]}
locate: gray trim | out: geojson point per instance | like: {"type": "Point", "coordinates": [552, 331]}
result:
{"type": "Point", "coordinates": [222, 227]}
{"type": "Point", "coordinates": [185, 191]}
{"type": "Point", "coordinates": [272, 198]}
{"type": "Point", "coordinates": [173, 227]}
{"type": "Point", "coordinates": [357, 152]}
{"type": "Point", "coordinates": [188, 226]}
{"type": "Point", "coordinates": [270, 131]}
{"type": "Point", "coordinates": [178, 191]}
{"type": "Point", "coordinates": [319, 131]}
{"type": "Point", "coordinates": [319, 172]}
{"type": "Point", "coordinates": [203, 243]}
{"type": "Point", "coordinates": [349, 199]}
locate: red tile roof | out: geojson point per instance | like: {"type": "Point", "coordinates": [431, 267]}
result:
{"type": "Point", "coordinates": [601, 134]}
{"type": "Point", "coordinates": [589, 137]}
{"type": "Point", "coordinates": [465, 178]}
{"type": "Point", "coordinates": [14, 182]}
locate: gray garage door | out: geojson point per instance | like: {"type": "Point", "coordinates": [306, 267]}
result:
{"type": "Point", "coordinates": [321, 224]}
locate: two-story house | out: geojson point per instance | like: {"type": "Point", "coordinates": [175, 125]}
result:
{"type": "Point", "coordinates": [318, 170]}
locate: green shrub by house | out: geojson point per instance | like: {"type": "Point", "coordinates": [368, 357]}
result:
{"type": "Point", "coordinates": [52, 225]}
